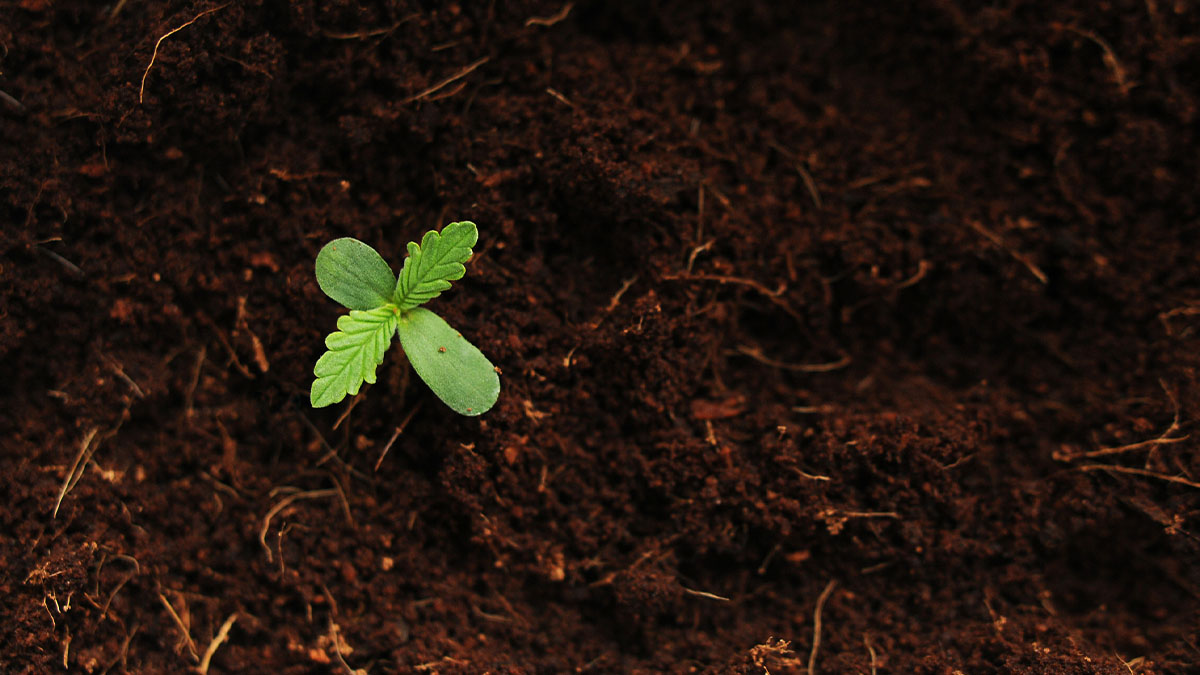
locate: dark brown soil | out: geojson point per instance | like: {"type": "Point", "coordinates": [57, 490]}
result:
{"type": "Point", "coordinates": [836, 337]}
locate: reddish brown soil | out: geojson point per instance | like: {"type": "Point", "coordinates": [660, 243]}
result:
{"type": "Point", "coordinates": [981, 217]}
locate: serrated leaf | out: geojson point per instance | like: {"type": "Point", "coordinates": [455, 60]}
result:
{"type": "Point", "coordinates": [354, 274]}
{"type": "Point", "coordinates": [453, 368]}
{"type": "Point", "coordinates": [430, 267]}
{"type": "Point", "coordinates": [355, 350]}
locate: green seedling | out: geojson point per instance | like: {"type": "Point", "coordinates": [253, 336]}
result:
{"type": "Point", "coordinates": [358, 278]}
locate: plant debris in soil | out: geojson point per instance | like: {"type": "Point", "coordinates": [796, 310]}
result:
{"type": "Point", "coordinates": [836, 337]}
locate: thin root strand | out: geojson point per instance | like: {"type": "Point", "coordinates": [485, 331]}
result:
{"type": "Point", "coordinates": [812, 656]}
{"type": "Point", "coordinates": [154, 56]}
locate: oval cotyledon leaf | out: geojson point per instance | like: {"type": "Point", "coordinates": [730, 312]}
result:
{"type": "Point", "coordinates": [453, 368]}
{"type": "Point", "coordinates": [354, 274]}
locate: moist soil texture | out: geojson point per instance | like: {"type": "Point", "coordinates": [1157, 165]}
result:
{"type": "Point", "coordinates": [836, 337]}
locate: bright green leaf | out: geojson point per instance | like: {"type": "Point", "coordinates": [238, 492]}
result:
{"type": "Point", "coordinates": [430, 267]}
{"type": "Point", "coordinates": [354, 274]}
{"type": "Point", "coordinates": [354, 352]}
{"type": "Point", "coordinates": [453, 368]}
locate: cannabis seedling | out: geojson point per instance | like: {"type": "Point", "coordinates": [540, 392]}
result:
{"type": "Point", "coordinates": [357, 277]}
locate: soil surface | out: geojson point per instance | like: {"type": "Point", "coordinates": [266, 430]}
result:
{"type": "Point", "coordinates": [837, 337]}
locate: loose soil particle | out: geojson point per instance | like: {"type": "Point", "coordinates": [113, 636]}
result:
{"type": "Point", "coordinates": [906, 299]}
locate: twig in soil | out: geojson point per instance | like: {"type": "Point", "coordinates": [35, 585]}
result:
{"type": "Point", "coordinates": [77, 468]}
{"type": "Point", "coordinates": [566, 362]}
{"type": "Point", "coordinates": [1110, 57]}
{"type": "Point", "coordinates": [53, 623]}
{"type": "Point", "coordinates": [805, 176]}
{"type": "Point", "coordinates": [448, 81]}
{"type": "Point", "coordinates": [337, 649]}
{"type": "Point", "coordinates": [774, 296]}
{"type": "Point", "coordinates": [720, 196]}
{"type": "Point", "coordinates": [254, 69]}
{"type": "Point", "coordinates": [699, 249]}
{"type": "Point", "coordinates": [592, 664]}
{"type": "Point", "coordinates": [871, 651]}
{"type": "Point", "coordinates": [512, 611]}
{"type": "Point", "coordinates": [560, 97]}
{"type": "Point", "coordinates": [810, 476]}
{"type": "Point", "coordinates": [396, 434]}
{"type": "Point", "coordinates": [283, 504]}
{"type": "Point", "coordinates": [488, 616]}
{"type": "Point", "coordinates": [240, 324]}
{"type": "Point", "coordinates": [123, 656]}
{"type": "Point", "coordinates": [1129, 665]}
{"type": "Point", "coordinates": [1164, 439]}
{"type": "Point", "coordinates": [330, 453]}
{"type": "Point", "coordinates": [1139, 472]}
{"type": "Point", "coordinates": [142, 90]}
{"type": "Point", "coordinates": [108, 601]}
{"type": "Point", "coordinates": [115, 365]}
{"type": "Point", "coordinates": [614, 301]}
{"type": "Point", "coordinates": [756, 354]}
{"type": "Point", "coordinates": [869, 514]}
{"type": "Point", "coordinates": [655, 551]}
{"type": "Point", "coordinates": [12, 103]}
{"type": "Point", "coordinates": [71, 267]}
{"type": "Point", "coordinates": [345, 502]}
{"type": "Point", "coordinates": [218, 485]}
{"type": "Point", "coordinates": [342, 418]}
{"type": "Point", "coordinates": [222, 635]}
{"type": "Point", "coordinates": [37, 198]}
{"type": "Point", "coordinates": [961, 460]}
{"type": "Point", "coordinates": [810, 185]}
{"type": "Point", "coordinates": [279, 547]}
{"type": "Point", "coordinates": [260, 354]}
{"type": "Point", "coordinates": [224, 340]}
{"type": "Point", "coordinates": [182, 627]}
{"type": "Point", "coordinates": [115, 10]}
{"type": "Point", "coordinates": [333, 606]}
{"type": "Point", "coordinates": [444, 660]}
{"type": "Point", "coordinates": [729, 280]}
{"type": "Point", "coordinates": [703, 594]}
{"type": "Point", "coordinates": [550, 20]}
{"type": "Point", "coordinates": [1186, 310]}
{"type": "Point", "coordinates": [1017, 255]}
{"type": "Point", "coordinates": [922, 269]}
{"type": "Point", "coordinates": [762, 569]}
{"type": "Point", "coordinates": [190, 397]}
{"type": "Point", "coordinates": [449, 92]}
{"type": "Point", "coordinates": [358, 35]}
{"type": "Point", "coordinates": [1067, 192]}
{"type": "Point", "coordinates": [137, 569]}
{"type": "Point", "coordinates": [812, 656]}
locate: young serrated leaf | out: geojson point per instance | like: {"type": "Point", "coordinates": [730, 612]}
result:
{"type": "Point", "coordinates": [354, 274]}
{"type": "Point", "coordinates": [354, 352]}
{"type": "Point", "coordinates": [430, 267]}
{"type": "Point", "coordinates": [453, 368]}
